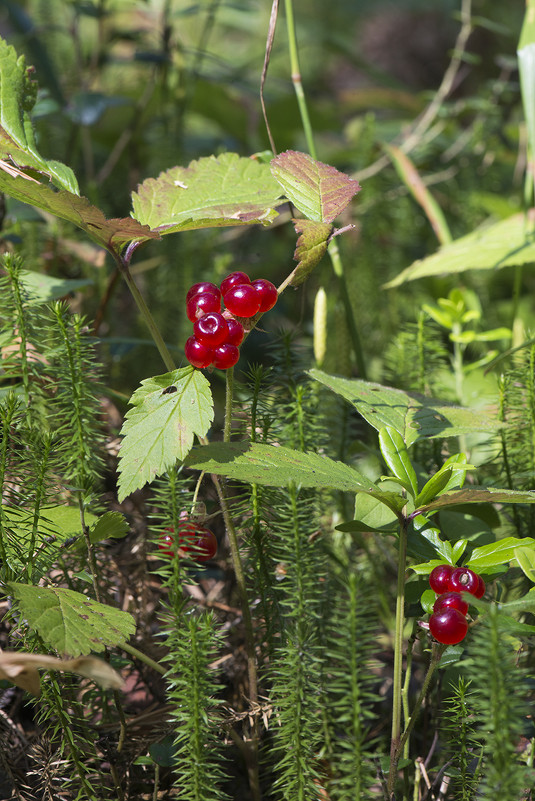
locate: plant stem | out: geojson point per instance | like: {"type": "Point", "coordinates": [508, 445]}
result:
{"type": "Point", "coordinates": [144, 658]}
{"type": "Point", "coordinates": [229, 386]}
{"type": "Point", "coordinates": [395, 749]}
{"type": "Point", "coordinates": [122, 264]}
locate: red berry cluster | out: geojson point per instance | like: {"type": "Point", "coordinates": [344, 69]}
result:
{"type": "Point", "coordinates": [193, 539]}
{"type": "Point", "coordinates": [448, 623]}
{"type": "Point", "coordinates": [217, 335]}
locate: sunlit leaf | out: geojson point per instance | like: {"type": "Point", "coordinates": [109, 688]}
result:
{"type": "Point", "coordinates": [21, 669]}
{"type": "Point", "coordinates": [168, 411]}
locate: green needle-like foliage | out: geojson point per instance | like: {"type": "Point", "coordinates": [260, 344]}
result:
{"type": "Point", "coordinates": [500, 703]}
{"type": "Point", "coordinates": [464, 748]}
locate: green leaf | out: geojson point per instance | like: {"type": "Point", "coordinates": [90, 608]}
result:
{"type": "Point", "coordinates": [427, 600]}
{"type": "Point", "coordinates": [450, 475]}
{"type": "Point", "coordinates": [526, 66]}
{"type": "Point", "coordinates": [395, 454]}
{"type": "Point", "coordinates": [279, 467]}
{"type": "Point", "coordinates": [475, 494]}
{"type": "Point", "coordinates": [168, 410]}
{"type": "Point", "coordinates": [18, 148]}
{"type": "Point", "coordinates": [209, 193]}
{"type": "Point", "coordinates": [506, 243]}
{"type": "Point", "coordinates": [526, 560]}
{"type": "Point", "coordinates": [311, 247]}
{"type": "Point", "coordinates": [458, 549]}
{"type": "Point", "coordinates": [41, 288]}
{"type": "Point", "coordinates": [70, 622]}
{"type": "Point", "coordinates": [319, 191]}
{"type": "Point", "coordinates": [110, 234]}
{"type": "Point", "coordinates": [412, 415]}
{"type": "Point", "coordinates": [497, 553]}
{"type": "Point", "coordinates": [370, 515]}
{"type": "Point", "coordinates": [111, 525]}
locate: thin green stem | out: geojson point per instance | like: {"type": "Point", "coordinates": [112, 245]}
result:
{"type": "Point", "coordinates": [436, 656]}
{"type": "Point", "coordinates": [398, 656]}
{"type": "Point", "coordinates": [144, 658]}
{"type": "Point", "coordinates": [229, 394]}
{"type": "Point", "coordinates": [145, 313]}
{"type": "Point", "coordinates": [296, 79]}
{"type": "Point", "coordinates": [354, 335]}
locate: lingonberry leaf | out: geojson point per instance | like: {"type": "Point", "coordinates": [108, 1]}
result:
{"type": "Point", "coordinates": [319, 191]}
{"type": "Point", "coordinates": [394, 452]}
{"type": "Point", "coordinates": [412, 415]}
{"type": "Point", "coordinates": [160, 426]}
{"type": "Point", "coordinates": [211, 192]}
{"type": "Point", "coordinates": [311, 247]}
{"type": "Point", "coordinates": [71, 623]}
{"type": "Point", "coordinates": [280, 466]}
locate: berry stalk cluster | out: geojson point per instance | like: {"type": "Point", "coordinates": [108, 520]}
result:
{"type": "Point", "coordinates": [448, 623]}
{"type": "Point", "coordinates": [217, 335]}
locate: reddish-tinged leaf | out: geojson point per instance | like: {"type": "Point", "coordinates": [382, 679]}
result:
{"type": "Point", "coordinates": [311, 247]}
{"type": "Point", "coordinates": [319, 191]}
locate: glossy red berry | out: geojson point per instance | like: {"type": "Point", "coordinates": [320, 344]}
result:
{"type": "Point", "coordinates": [464, 580]}
{"type": "Point", "coordinates": [205, 303]}
{"type": "Point", "coordinates": [451, 600]}
{"type": "Point", "coordinates": [198, 354]}
{"type": "Point", "coordinates": [448, 626]}
{"type": "Point", "coordinates": [202, 287]}
{"type": "Point", "coordinates": [234, 279]}
{"type": "Point", "coordinates": [193, 539]}
{"type": "Point", "coordinates": [242, 300]}
{"type": "Point", "coordinates": [439, 578]}
{"type": "Point", "coordinates": [211, 330]}
{"type": "Point", "coordinates": [226, 356]}
{"type": "Point", "coordinates": [235, 332]}
{"type": "Point", "coordinates": [268, 293]}
{"type": "Point", "coordinates": [480, 592]}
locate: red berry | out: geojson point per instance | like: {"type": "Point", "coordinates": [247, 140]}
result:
{"type": "Point", "coordinates": [268, 293]}
{"type": "Point", "coordinates": [480, 592]}
{"type": "Point", "coordinates": [235, 332]}
{"type": "Point", "coordinates": [201, 288]}
{"type": "Point", "coordinates": [202, 304]}
{"type": "Point", "coordinates": [464, 580]}
{"type": "Point", "coordinates": [211, 330]}
{"type": "Point", "coordinates": [451, 600]}
{"type": "Point", "coordinates": [234, 279]}
{"type": "Point", "coordinates": [198, 354]}
{"type": "Point", "coordinates": [242, 300]}
{"type": "Point", "coordinates": [193, 539]}
{"type": "Point", "coordinates": [448, 626]}
{"type": "Point", "coordinates": [226, 356]}
{"type": "Point", "coordinates": [439, 578]}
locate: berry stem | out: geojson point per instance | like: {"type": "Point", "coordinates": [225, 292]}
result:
{"type": "Point", "coordinates": [229, 394]}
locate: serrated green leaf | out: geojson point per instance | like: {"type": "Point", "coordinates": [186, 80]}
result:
{"type": "Point", "coordinates": [160, 427]}
{"type": "Point", "coordinates": [311, 247]}
{"type": "Point", "coordinates": [65, 521]}
{"type": "Point", "coordinates": [475, 494]}
{"type": "Point", "coordinates": [412, 415]}
{"type": "Point", "coordinates": [497, 553]}
{"type": "Point", "coordinates": [506, 243]}
{"type": "Point", "coordinates": [18, 93]}
{"type": "Point", "coordinates": [395, 454]}
{"type": "Point", "coordinates": [210, 192]}
{"type": "Point", "coordinates": [280, 467]}
{"type": "Point", "coordinates": [110, 525]}
{"type": "Point", "coordinates": [526, 560]}
{"type": "Point", "coordinates": [70, 622]}
{"type": "Point", "coordinates": [319, 191]}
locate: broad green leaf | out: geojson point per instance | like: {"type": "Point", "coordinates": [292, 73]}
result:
{"type": "Point", "coordinates": [311, 247]}
{"type": "Point", "coordinates": [450, 475]}
{"type": "Point", "coordinates": [414, 183]}
{"type": "Point", "coordinates": [370, 515]}
{"type": "Point", "coordinates": [211, 192]}
{"type": "Point", "coordinates": [168, 411]}
{"type": "Point", "coordinates": [41, 288]}
{"type": "Point", "coordinates": [425, 568]}
{"type": "Point", "coordinates": [497, 553]}
{"type": "Point", "coordinates": [70, 622]}
{"type": "Point", "coordinates": [458, 549]}
{"type": "Point", "coordinates": [395, 454]}
{"type": "Point", "coordinates": [18, 148]}
{"type": "Point", "coordinates": [279, 467]}
{"type": "Point", "coordinates": [65, 522]}
{"type": "Point", "coordinates": [521, 604]}
{"type": "Point", "coordinates": [526, 560]}
{"type": "Point", "coordinates": [412, 415]}
{"type": "Point", "coordinates": [506, 243]}
{"type": "Point", "coordinates": [319, 191]}
{"type": "Point", "coordinates": [427, 600]}
{"type": "Point", "coordinates": [475, 494]}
